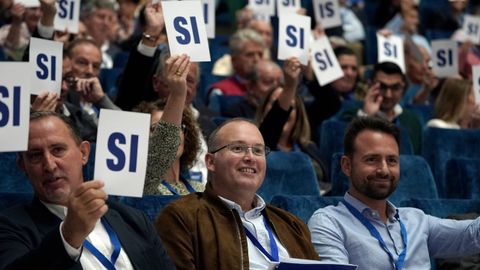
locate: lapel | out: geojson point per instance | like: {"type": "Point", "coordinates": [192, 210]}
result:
{"type": "Point", "coordinates": [129, 244]}
{"type": "Point", "coordinates": [43, 218]}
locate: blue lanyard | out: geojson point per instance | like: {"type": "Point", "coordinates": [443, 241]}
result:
{"type": "Point", "coordinates": [273, 244]}
{"type": "Point", "coordinates": [373, 231]}
{"type": "Point", "coordinates": [109, 264]}
{"type": "Point", "coordinates": [174, 191]}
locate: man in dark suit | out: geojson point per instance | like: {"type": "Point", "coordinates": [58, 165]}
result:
{"type": "Point", "coordinates": [70, 224]}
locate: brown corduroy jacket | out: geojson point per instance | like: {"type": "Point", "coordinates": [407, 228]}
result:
{"type": "Point", "coordinates": [200, 232]}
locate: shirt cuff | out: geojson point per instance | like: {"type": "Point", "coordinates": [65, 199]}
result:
{"type": "Point", "coordinates": [146, 50]}
{"type": "Point", "coordinates": [74, 253]}
{"type": "Point", "coordinates": [45, 31]}
{"type": "Point", "coordinates": [361, 113]}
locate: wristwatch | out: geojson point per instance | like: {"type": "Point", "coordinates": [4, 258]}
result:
{"type": "Point", "coordinates": [149, 37]}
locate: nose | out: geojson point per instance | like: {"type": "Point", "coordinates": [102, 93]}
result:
{"type": "Point", "coordinates": [248, 154]}
{"type": "Point", "coordinates": [382, 168]}
{"type": "Point", "coordinates": [49, 163]}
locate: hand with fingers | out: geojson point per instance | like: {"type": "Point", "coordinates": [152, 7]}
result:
{"type": "Point", "coordinates": [373, 100]}
{"type": "Point", "coordinates": [177, 68]}
{"type": "Point", "coordinates": [291, 70]}
{"type": "Point", "coordinates": [45, 101]}
{"type": "Point", "coordinates": [155, 22]}
{"type": "Point", "coordinates": [16, 11]}
{"type": "Point", "coordinates": [86, 205]}
{"type": "Point", "coordinates": [49, 10]}
{"type": "Point", "coordinates": [90, 89]}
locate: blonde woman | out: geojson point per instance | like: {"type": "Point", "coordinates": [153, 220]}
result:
{"type": "Point", "coordinates": [455, 106]}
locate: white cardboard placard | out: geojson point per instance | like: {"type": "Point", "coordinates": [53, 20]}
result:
{"type": "Point", "coordinates": [327, 13]}
{"type": "Point", "coordinates": [208, 8]}
{"type": "Point", "coordinates": [186, 29]}
{"type": "Point", "coordinates": [287, 7]}
{"type": "Point", "coordinates": [471, 28]}
{"type": "Point", "coordinates": [294, 37]}
{"type": "Point", "coordinates": [264, 7]}
{"type": "Point", "coordinates": [324, 62]}
{"type": "Point", "coordinates": [121, 152]}
{"type": "Point", "coordinates": [68, 14]}
{"type": "Point", "coordinates": [28, 3]}
{"type": "Point", "coordinates": [14, 106]}
{"type": "Point", "coordinates": [390, 49]}
{"type": "Point", "coordinates": [46, 57]}
{"type": "Point", "coordinates": [445, 57]}
{"type": "Point", "coordinates": [476, 82]}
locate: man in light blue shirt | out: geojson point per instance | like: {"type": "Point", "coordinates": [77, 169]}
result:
{"type": "Point", "coordinates": [366, 229]}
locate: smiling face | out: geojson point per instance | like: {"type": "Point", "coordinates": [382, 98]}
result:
{"type": "Point", "coordinates": [374, 166]}
{"type": "Point", "coordinates": [235, 175]}
{"type": "Point", "coordinates": [54, 160]}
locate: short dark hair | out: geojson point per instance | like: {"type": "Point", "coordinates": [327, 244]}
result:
{"type": "Point", "coordinates": [38, 115]}
{"type": "Point", "coordinates": [389, 68]}
{"type": "Point", "coordinates": [360, 124]}
{"type": "Point", "coordinates": [212, 138]}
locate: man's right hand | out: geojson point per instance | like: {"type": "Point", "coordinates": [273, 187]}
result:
{"type": "Point", "coordinates": [45, 101]}
{"type": "Point", "coordinates": [86, 205]}
{"type": "Point", "coordinates": [373, 99]}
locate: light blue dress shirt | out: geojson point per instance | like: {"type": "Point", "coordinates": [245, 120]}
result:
{"type": "Point", "coordinates": [340, 237]}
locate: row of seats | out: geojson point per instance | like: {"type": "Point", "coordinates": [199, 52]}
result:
{"type": "Point", "coordinates": [453, 156]}
{"type": "Point", "coordinates": [302, 206]}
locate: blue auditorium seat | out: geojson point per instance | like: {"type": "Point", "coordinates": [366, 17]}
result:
{"type": "Point", "coordinates": [288, 173]}
{"type": "Point", "coordinates": [462, 178]}
{"type": "Point", "coordinates": [149, 204]}
{"type": "Point", "coordinates": [331, 139]}
{"type": "Point", "coordinates": [440, 145]}
{"type": "Point", "coordinates": [13, 179]}
{"type": "Point", "coordinates": [416, 179]}
{"type": "Point", "coordinates": [303, 206]}
{"type": "Point", "coordinates": [221, 103]}
{"type": "Point", "coordinates": [444, 208]}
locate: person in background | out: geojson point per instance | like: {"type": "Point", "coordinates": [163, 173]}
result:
{"type": "Point", "coordinates": [177, 179]}
{"type": "Point", "coordinates": [365, 228]}
{"type": "Point", "coordinates": [455, 106]}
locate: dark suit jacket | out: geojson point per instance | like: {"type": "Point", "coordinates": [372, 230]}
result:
{"type": "Point", "coordinates": [30, 239]}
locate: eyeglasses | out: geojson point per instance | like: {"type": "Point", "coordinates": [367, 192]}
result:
{"type": "Point", "coordinates": [238, 148]}
{"type": "Point", "coordinates": [394, 87]}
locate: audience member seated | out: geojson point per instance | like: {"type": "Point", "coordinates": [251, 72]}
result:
{"type": "Point", "coordinates": [228, 226]}
{"type": "Point", "coordinates": [70, 223]}
{"type": "Point", "coordinates": [138, 76]}
{"type": "Point", "coordinates": [266, 76]}
{"type": "Point", "coordinates": [328, 99]}
{"type": "Point", "coordinates": [421, 79]}
{"type": "Point", "coordinates": [284, 123]}
{"type": "Point", "coordinates": [438, 18]}
{"type": "Point", "coordinates": [455, 106]}
{"type": "Point", "coordinates": [80, 70]}
{"type": "Point", "coordinates": [366, 222]}
{"type": "Point", "coordinates": [14, 37]}
{"type": "Point", "coordinates": [382, 99]}
{"type": "Point", "coordinates": [246, 48]}
{"type": "Point", "coordinates": [167, 177]}
{"type": "Point", "coordinates": [100, 19]}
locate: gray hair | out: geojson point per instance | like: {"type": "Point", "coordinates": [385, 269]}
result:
{"type": "Point", "coordinates": [89, 6]}
{"type": "Point", "coordinates": [242, 36]}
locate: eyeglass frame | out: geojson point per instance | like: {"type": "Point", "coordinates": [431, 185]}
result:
{"type": "Point", "coordinates": [266, 149]}
{"type": "Point", "coordinates": [395, 88]}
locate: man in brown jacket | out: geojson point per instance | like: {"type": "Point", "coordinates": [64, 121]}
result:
{"type": "Point", "coordinates": [229, 226]}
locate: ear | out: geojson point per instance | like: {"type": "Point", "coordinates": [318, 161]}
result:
{"type": "Point", "coordinates": [85, 150]}
{"type": "Point", "coordinates": [209, 162]}
{"type": "Point", "coordinates": [346, 164]}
